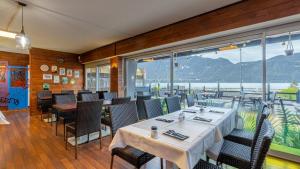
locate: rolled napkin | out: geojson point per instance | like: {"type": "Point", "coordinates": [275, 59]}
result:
{"type": "Point", "coordinates": [216, 111]}
{"type": "Point", "coordinates": [176, 135]}
{"type": "Point", "coordinates": [202, 119]}
{"type": "Point", "coordinates": [164, 120]}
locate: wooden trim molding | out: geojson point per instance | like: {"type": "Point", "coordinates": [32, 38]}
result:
{"type": "Point", "coordinates": [244, 13]}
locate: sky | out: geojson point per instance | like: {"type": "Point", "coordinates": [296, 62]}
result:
{"type": "Point", "coordinates": [253, 53]}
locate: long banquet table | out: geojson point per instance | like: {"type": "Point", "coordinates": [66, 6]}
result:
{"type": "Point", "coordinates": [185, 154]}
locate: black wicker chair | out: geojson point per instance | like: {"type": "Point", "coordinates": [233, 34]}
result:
{"type": "Point", "coordinates": [173, 104]}
{"type": "Point", "coordinates": [153, 108]}
{"type": "Point", "coordinates": [109, 95]}
{"type": "Point", "coordinates": [245, 157]}
{"type": "Point", "coordinates": [120, 100]}
{"type": "Point", "coordinates": [67, 92]}
{"type": "Point", "coordinates": [190, 100]}
{"type": "Point", "coordinates": [44, 104]}
{"type": "Point", "coordinates": [90, 97]}
{"type": "Point", "coordinates": [101, 94]}
{"type": "Point", "coordinates": [115, 101]}
{"type": "Point", "coordinates": [239, 156]}
{"type": "Point", "coordinates": [66, 117]}
{"type": "Point", "coordinates": [87, 121]}
{"type": "Point", "coordinates": [247, 138]}
{"type": "Point", "coordinates": [80, 93]}
{"type": "Point", "coordinates": [123, 115]}
{"type": "Point", "coordinates": [141, 107]}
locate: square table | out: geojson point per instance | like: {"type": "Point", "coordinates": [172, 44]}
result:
{"type": "Point", "coordinates": [185, 154]}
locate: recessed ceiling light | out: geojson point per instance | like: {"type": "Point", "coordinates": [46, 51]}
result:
{"type": "Point", "coordinates": [7, 34]}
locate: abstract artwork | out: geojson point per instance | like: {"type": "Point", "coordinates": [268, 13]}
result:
{"type": "Point", "coordinates": [18, 77]}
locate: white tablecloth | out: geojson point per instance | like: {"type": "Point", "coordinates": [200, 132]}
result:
{"type": "Point", "coordinates": [185, 154]}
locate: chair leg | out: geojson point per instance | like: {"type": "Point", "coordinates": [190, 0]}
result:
{"type": "Point", "coordinates": [66, 140]}
{"type": "Point", "coordinates": [100, 138]}
{"type": "Point", "coordinates": [75, 147]}
{"type": "Point", "coordinates": [56, 127]}
{"type": "Point", "coordinates": [111, 162]}
{"type": "Point", "coordinates": [161, 163]}
{"type": "Point", "coordinates": [64, 128]}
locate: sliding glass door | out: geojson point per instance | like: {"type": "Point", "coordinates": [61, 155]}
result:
{"type": "Point", "coordinates": [283, 77]}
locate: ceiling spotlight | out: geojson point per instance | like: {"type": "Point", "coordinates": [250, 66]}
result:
{"type": "Point", "coordinates": [22, 40]}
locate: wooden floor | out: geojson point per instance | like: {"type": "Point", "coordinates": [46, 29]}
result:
{"type": "Point", "coordinates": [29, 143]}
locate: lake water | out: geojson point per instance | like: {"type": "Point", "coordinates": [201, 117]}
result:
{"type": "Point", "coordinates": [228, 86]}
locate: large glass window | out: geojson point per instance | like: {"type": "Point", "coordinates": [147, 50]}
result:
{"type": "Point", "coordinates": [91, 79]}
{"type": "Point", "coordinates": [283, 77]}
{"type": "Point", "coordinates": [104, 77]}
{"type": "Point", "coordinates": [227, 68]}
{"type": "Point", "coordinates": [149, 75]}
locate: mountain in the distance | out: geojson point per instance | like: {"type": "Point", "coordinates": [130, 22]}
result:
{"type": "Point", "coordinates": [280, 69]}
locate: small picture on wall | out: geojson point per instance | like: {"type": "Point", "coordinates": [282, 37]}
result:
{"type": "Point", "coordinates": [64, 80]}
{"type": "Point", "coordinates": [47, 76]}
{"type": "Point", "coordinates": [76, 74]}
{"type": "Point", "coordinates": [62, 71]}
{"type": "Point", "coordinates": [54, 69]}
{"type": "Point", "coordinates": [69, 72]}
{"type": "Point", "coordinates": [55, 79]}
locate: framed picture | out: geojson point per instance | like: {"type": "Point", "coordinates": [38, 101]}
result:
{"type": "Point", "coordinates": [47, 76]}
{"type": "Point", "coordinates": [55, 79]}
{"type": "Point", "coordinates": [62, 71]}
{"type": "Point", "coordinates": [64, 80]}
{"type": "Point", "coordinates": [54, 69]}
{"type": "Point", "coordinates": [69, 72]}
{"type": "Point", "coordinates": [46, 86]}
{"type": "Point", "coordinates": [76, 73]}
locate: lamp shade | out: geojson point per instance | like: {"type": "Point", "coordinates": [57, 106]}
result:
{"type": "Point", "coordinates": [22, 41]}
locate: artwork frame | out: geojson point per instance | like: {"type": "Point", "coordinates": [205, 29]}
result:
{"type": "Point", "coordinates": [54, 69]}
{"type": "Point", "coordinates": [76, 74]}
{"type": "Point", "coordinates": [64, 80]}
{"type": "Point", "coordinates": [69, 72]}
{"type": "Point", "coordinates": [56, 79]}
{"type": "Point", "coordinates": [62, 71]}
{"type": "Point", "coordinates": [47, 76]}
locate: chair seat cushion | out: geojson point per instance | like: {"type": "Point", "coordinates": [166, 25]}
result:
{"type": "Point", "coordinates": [241, 136]}
{"type": "Point", "coordinates": [132, 155]}
{"type": "Point", "coordinates": [234, 154]}
{"type": "Point", "coordinates": [205, 165]}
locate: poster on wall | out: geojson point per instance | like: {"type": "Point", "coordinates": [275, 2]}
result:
{"type": "Point", "coordinates": [18, 77]}
{"type": "Point", "coordinates": [65, 80]}
{"type": "Point", "coordinates": [62, 71]}
{"type": "Point", "coordinates": [55, 79]}
{"type": "Point", "coordinates": [69, 72]}
{"type": "Point", "coordinates": [47, 76]}
{"type": "Point", "coordinates": [3, 82]}
{"type": "Point", "coordinates": [54, 69]}
{"type": "Point", "coordinates": [3, 72]}
{"type": "Point", "coordinates": [76, 74]}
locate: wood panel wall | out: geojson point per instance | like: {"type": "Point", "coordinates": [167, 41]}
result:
{"type": "Point", "coordinates": [14, 59]}
{"type": "Point", "coordinates": [244, 13]}
{"type": "Point", "coordinates": [38, 57]}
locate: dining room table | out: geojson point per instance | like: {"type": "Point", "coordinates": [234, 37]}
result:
{"type": "Point", "coordinates": [213, 102]}
{"type": "Point", "coordinates": [181, 141]}
{"type": "Point", "coordinates": [71, 107]}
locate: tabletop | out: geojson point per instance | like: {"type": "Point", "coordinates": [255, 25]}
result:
{"type": "Point", "coordinates": [72, 106]}
{"type": "Point", "coordinates": [185, 154]}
